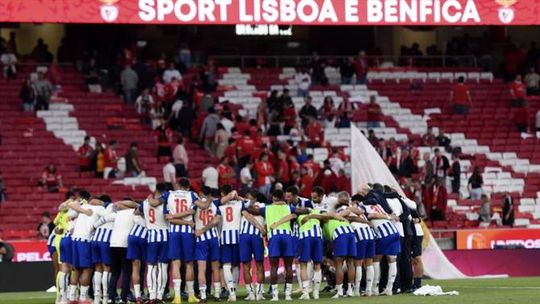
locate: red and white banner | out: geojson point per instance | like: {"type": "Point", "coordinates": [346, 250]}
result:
{"type": "Point", "coordinates": [286, 12]}
{"type": "Point", "coordinates": [30, 251]}
{"type": "Point", "coordinates": [491, 238]}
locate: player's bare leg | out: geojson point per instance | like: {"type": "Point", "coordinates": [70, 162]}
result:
{"type": "Point", "coordinates": [248, 280]}
{"type": "Point", "coordinates": [85, 279]}
{"type": "Point", "coordinates": [304, 281]}
{"type": "Point", "coordinates": [418, 271]}
{"type": "Point", "coordinates": [317, 280]}
{"type": "Point", "coordinates": [190, 283]}
{"type": "Point", "coordinates": [216, 277]}
{"type": "Point", "coordinates": [136, 280]}
{"type": "Point", "coordinates": [351, 275]}
{"type": "Point", "coordinates": [177, 281]}
{"type": "Point", "coordinates": [201, 276]}
{"type": "Point", "coordinates": [338, 264]}
{"type": "Point", "coordinates": [274, 264]}
{"type": "Point", "coordinates": [288, 261]}
{"type": "Point", "coordinates": [63, 281]}
{"type": "Point", "coordinates": [259, 286]}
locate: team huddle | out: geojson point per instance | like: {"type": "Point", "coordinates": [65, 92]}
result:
{"type": "Point", "coordinates": [209, 235]}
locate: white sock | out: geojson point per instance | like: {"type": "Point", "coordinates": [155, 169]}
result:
{"type": "Point", "coordinates": [298, 272]}
{"type": "Point", "coordinates": [358, 279]}
{"type": "Point", "coordinates": [392, 271]}
{"type": "Point", "coordinates": [288, 289]}
{"type": "Point", "coordinates": [97, 284]}
{"type": "Point", "coordinates": [84, 293]}
{"type": "Point", "coordinates": [105, 283]}
{"type": "Point", "coordinates": [376, 276]}
{"type": "Point", "coordinates": [236, 274]}
{"type": "Point", "coordinates": [229, 279]}
{"type": "Point", "coordinates": [217, 289]}
{"type": "Point", "coordinates": [275, 290]}
{"type": "Point", "coordinates": [305, 286]}
{"type": "Point", "coordinates": [350, 288]}
{"type": "Point", "coordinates": [370, 273]}
{"type": "Point", "coordinates": [339, 288]}
{"type": "Point", "coordinates": [176, 284]}
{"type": "Point", "coordinates": [62, 285]}
{"type": "Point", "coordinates": [249, 288]}
{"type": "Point", "coordinates": [310, 272]}
{"type": "Point", "coordinates": [150, 283]}
{"type": "Point", "coordinates": [317, 279]}
{"type": "Point", "coordinates": [189, 288]}
{"type": "Point", "coordinates": [162, 278]}
{"type": "Point", "coordinates": [72, 292]}
{"type": "Point", "coordinates": [259, 288]}
{"type": "Point", "coordinates": [202, 291]}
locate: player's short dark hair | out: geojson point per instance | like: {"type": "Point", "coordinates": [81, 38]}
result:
{"type": "Point", "coordinates": [319, 190]}
{"type": "Point", "coordinates": [388, 189]}
{"type": "Point", "coordinates": [205, 190]}
{"type": "Point", "coordinates": [357, 198]}
{"type": "Point", "coordinates": [161, 187]}
{"type": "Point", "coordinates": [461, 79]}
{"type": "Point", "coordinates": [278, 194]}
{"type": "Point", "coordinates": [292, 190]}
{"type": "Point", "coordinates": [226, 189]}
{"type": "Point", "coordinates": [84, 194]}
{"type": "Point", "coordinates": [184, 183]}
{"type": "Point", "coordinates": [254, 193]}
{"type": "Point", "coordinates": [69, 194]}
{"type": "Point", "coordinates": [46, 214]}
{"type": "Point", "coordinates": [214, 192]}
{"type": "Point", "coordinates": [378, 187]}
{"type": "Point", "coordinates": [105, 198]}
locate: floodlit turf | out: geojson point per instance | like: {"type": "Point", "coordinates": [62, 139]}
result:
{"type": "Point", "coordinates": [472, 291]}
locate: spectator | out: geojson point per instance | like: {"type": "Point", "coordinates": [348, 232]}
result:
{"type": "Point", "coordinates": [129, 81]}
{"type": "Point", "coordinates": [86, 153]}
{"type": "Point", "coordinates": [226, 174]}
{"type": "Point", "coordinates": [45, 227]}
{"type": "Point", "coordinates": [437, 199]}
{"type": "Point", "coordinates": [440, 164]}
{"type": "Point", "coordinates": [328, 111]}
{"type": "Point", "coordinates": [226, 121]}
{"type": "Point", "coordinates": [336, 163]}
{"type": "Point", "coordinates": [303, 80]}
{"type": "Point", "coordinates": [144, 104]}
{"type": "Point", "coordinates": [374, 113]}
{"type": "Point", "coordinates": [169, 173]}
{"type": "Point", "coordinates": [406, 165]}
{"type": "Point", "coordinates": [51, 179]}
{"type": "Point", "coordinates": [345, 111]}
{"type": "Point", "coordinates": [532, 81]}
{"type": "Point", "coordinates": [289, 117]}
{"type": "Point", "coordinates": [39, 51]}
{"type": "Point", "coordinates": [6, 252]}
{"type": "Point", "coordinates": [343, 181]}
{"type": "Point", "coordinates": [171, 73]}
{"type": "Point", "coordinates": [164, 140]}
{"type": "Point", "coordinates": [361, 67]}
{"type": "Point", "coordinates": [315, 133]}
{"type": "Point", "coordinates": [444, 141]}
{"type": "Point", "coordinates": [283, 169]}
{"type": "Point", "coordinates": [485, 209]}
{"type": "Point", "coordinates": [508, 210]}
{"type": "Point", "coordinates": [43, 89]}
{"type": "Point", "coordinates": [181, 160]}
{"type": "Point", "coordinates": [518, 91]}
{"type": "Point", "coordinates": [28, 95]}
{"type": "Point", "coordinates": [208, 131]}
{"type": "Point", "coordinates": [221, 140]}
{"type": "Point", "coordinates": [98, 161]}
{"type": "Point", "coordinates": [307, 181]}
{"type": "Point", "coordinates": [111, 160]}
{"type": "Point", "coordinates": [265, 172]}
{"type": "Point", "coordinates": [210, 177]}
{"type": "Point", "coordinates": [186, 117]}
{"type": "Point", "coordinates": [306, 111]}
{"type": "Point", "coordinates": [2, 189]}
{"type": "Point", "coordinates": [429, 139]}
{"type": "Point", "coordinates": [428, 173]}
{"type": "Point", "coordinates": [284, 99]}
{"type": "Point", "coordinates": [133, 166]}
{"type": "Point", "coordinates": [184, 55]}
{"type": "Point", "coordinates": [91, 75]}
{"type": "Point", "coordinates": [346, 70]}
{"type": "Point", "coordinates": [521, 119]}
{"type": "Point", "coordinates": [455, 173]}
{"type": "Point", "coordinates": [207, 102]}
{"type": "Point", "coordinates": [475, 184]}
{"type": "Point", "coordinates": [318, 66]}
{"type": "Point", "coordinates": [460, 97]}
{"type": "Point", "coordinates": [273, 101]}
{"type": "Point", "coordinates": [9, 64]}
{"type": "Point", "coordinates": [246, 179]}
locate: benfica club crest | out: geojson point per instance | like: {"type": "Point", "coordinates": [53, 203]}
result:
{"type": "Point", "coordinates": [506, 12]}
{"type": "Point", "coordinates": [109, 12]}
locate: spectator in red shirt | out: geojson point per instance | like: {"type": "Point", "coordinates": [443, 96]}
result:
{"type": "Point", "coordinates": [306, 182]}
{"type": "Point", "coordinates": [85, 152]}
{"type": "Point", "coordinates": [265, 172]}
{"type": "Point", "coordinates": [328, 181]}
{"type": "Point", "coordinates": [226, 175]}
{"type": "Point", "coordinates": [230, 152]}
{"type": "Point", "coordinates": [521, 119]}
{"type": "Point", "coordinates": [361, 67]}
{"type": "Point", "coordinates": [111, 160]}
{"type": "Point", "coordinates": [51, 179]}
{"type": "Point", "coordinates": [312, 166]}
{"type": "Point", "coordinates": [164, 140]}
{"type": "Point", "coordinates": [429, 139]}
{"type": "Point", "coordinates": [246, 145]}
{"type": "Point", "coordinates": [240, 125]}
{"type": "Point", "coordinates": [460, 97]}
{"type": "Point", "coordinates": [518, 91]}
{"type": "Point", "coordinates": [289, 117]}
{"type": "Point", "coordinates": [283, 172]}
{"type": "Point", "coordinates": [343, 181]}
{"type": "Point", "coordinates": [314, 132]}
{"type": "Point", "coordinates": [435, 200]}
{"type": "Point", "coordinates": [374, 113]}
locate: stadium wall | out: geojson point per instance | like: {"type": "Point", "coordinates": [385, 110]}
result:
{"type": "Point", "coordinates": [36, 276]}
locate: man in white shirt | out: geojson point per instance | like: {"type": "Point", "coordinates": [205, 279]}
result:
{"type": "Point", "coordinates": [181, 159]}
{"type": "Point", "coordinates": [303, 80]}
{"type": "Point", "coordinates": [9, 61]}
{"type": "Point", "coordinates": [123, 223]}
{"type": "Point", "coordinates": [336, 164]}
{"type": "Point", "coordinates": [171, 73]}
{"type": "Point", "coordinates": [169, 172]}
{"type": "Point", "coordinates": [246, 179]}
{"type": "Point", "coordinates": [210, 177]}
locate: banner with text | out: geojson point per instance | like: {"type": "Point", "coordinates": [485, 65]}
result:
{"type": "Point", "coordinates": [498, 238]}
{"type": "Point", "coordinates": [30, 251]}
{"type": "Point", "coordinates": [286, 12]}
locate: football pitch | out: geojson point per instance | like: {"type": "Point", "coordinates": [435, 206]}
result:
{"type": "Point", "coordinates": [477, 291]}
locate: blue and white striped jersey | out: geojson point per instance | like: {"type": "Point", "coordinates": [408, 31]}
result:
{"type": "Point", "coordinates": [156, 225]}
{"type": "Point", "coordinates": [51, 238]}
{"type": "Point", "coordinates": [316, 231]}
{"type": "Point", "coordinates": [246, 226]}
{"type": "Point", "coordinates": [138, 229]}
{"type": "Point", "coordinates": [363, 231]}
{"type": "Point", "coordinates": [383, 227]}
{"type": "Point", "coordinates": [204, 218]}
{"type": "Point", "coordinates": [104, 226]}
{"type": "Point", "coordinates": [301, 202]}
{"type": "Point", "coordinates": [231, 217]}
{"type": "Point", "coordinates": [177, 202]}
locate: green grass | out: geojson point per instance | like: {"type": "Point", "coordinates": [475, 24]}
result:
{"type": "Point", "coordinates": [474, 291]}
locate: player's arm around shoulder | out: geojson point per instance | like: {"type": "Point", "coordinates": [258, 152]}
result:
{"type": "Point", "coordinates": [78, 208]}
{"type": "Point", "coordinates": [283, 220]}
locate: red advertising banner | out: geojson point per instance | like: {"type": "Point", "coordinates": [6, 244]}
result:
{"type": "Point", "coordinates": [30, 251]}
{"type": "Point", "coordinates": [491, 238]}
{"type": "Point", "coordinates": [287, 12]}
